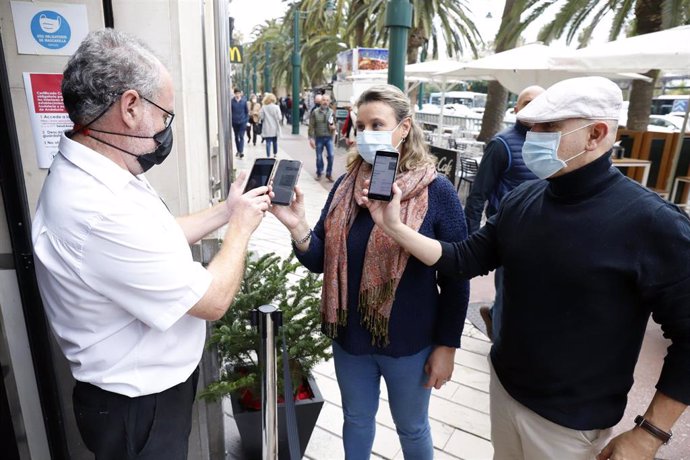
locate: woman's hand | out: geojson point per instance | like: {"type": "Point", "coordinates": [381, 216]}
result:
{"type": "Point", "coordinates": [439, 366]}
{"type": "Point", "coordinates": [291, 216]}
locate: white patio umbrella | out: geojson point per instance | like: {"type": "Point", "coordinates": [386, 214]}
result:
{"type": "Point", "coordinates": [431, 70]}
{"type": "Point", "coordinates": [526, 65]}
{"type": "Point", "coordinates": [667, 50]}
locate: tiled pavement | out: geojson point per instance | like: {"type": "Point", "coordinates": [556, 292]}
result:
{"type": "Point", "coordinates": [459, 412]}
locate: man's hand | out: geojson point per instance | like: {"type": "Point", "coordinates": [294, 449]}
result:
{"type": "Point", "coordinates": [312, 143]}
{"type": "Point", "coordinates": [635, 444]}
{"type": "Point", "coordinates": [385, 215]}
{"type": "Point", "coordinates": [235, 192]}
{"type": "Point", "coordinates": [246, 210]}
{"type": "Point", "coordinates": [439, 366]}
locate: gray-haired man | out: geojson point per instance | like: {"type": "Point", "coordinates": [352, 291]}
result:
{"type": "Point", "coordinates": [123, 296]}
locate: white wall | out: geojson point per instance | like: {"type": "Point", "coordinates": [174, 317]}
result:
{"type": "Point", "coordinates": [173, 29]}
{"type": "Point", "coordinates": [16, 64]}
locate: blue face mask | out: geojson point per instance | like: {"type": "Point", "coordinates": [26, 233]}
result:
{"type": "Point", "coordinates": [540, 152]}
{"type": "Point", "coordinates": [369, 142]}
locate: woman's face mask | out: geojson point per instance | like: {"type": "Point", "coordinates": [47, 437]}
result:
{"type": "Point", "coordinates": [369, 142]}
{"type": "Point", "coordinates": [540, 152]}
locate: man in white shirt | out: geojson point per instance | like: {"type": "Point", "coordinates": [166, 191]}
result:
{"type": "Point", "coordinates": [123, 296]}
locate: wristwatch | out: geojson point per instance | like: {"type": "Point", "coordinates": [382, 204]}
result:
{"type": "Point", "coordinates": [655, 431]}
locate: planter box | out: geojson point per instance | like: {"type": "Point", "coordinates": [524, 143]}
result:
{"type": "Point", "coordinates": [249, 424]}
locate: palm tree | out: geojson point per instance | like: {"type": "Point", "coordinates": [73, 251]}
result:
{"type": "Point", "coordinates": [281, 46]}
{"type": "Point", "coordinates": [364, 22]}
{"type": "Point", "coordinates": [430, 18]}
{"type": "Point", "coordinates": [640, 16]}
{"type": "Point", "coordinates": [507, 37]}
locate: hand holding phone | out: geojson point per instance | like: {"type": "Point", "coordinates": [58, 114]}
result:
{"type": "Point", "coordinates": [260, 174]}
{"type": "Point", "coordinates": [284, 180]}
{"type": "Point", "coordinates": [383, 175]}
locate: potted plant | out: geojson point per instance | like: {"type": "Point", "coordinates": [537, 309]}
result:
{"type": "Point", "coordinates": [296, 292]}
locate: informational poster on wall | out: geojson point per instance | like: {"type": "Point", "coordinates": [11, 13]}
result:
{"type": "Point", "coordinates": [49, 118]}
{"type": "Point", "coordinates": [49, 28]}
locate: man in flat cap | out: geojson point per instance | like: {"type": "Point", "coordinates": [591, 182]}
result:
{"type": "Point", "coordinates": [588, 255]}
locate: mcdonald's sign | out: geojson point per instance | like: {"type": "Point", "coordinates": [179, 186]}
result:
{"type": "Point", "coordinates": [236, 55]}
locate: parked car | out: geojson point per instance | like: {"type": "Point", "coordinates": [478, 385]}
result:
{"type": "Point", "coordinates": [659, 123]}
{"type": "Point", "coordinates": [666, 124]}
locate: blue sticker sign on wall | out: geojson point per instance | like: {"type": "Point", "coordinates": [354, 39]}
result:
{"type": "Point", "coordinates": [50, 29]}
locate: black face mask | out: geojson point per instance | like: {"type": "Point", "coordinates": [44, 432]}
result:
{"type": "Point", "coordinates": [147, 161]}
{"type": "Point", "coordinates": [165, 143]}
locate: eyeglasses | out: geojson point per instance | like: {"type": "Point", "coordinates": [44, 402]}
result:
{"type": "Point", "coordinates": [167, 118]}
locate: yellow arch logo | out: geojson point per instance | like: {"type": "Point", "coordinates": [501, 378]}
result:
{"type": "Point", "coordinates": [236, 55]}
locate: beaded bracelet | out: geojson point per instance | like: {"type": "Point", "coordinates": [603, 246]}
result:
{"type": "Point", "coordinates": [302, 240]}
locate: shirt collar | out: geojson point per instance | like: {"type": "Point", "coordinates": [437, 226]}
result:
{"type": "Point", "coordinates": [96, 165]}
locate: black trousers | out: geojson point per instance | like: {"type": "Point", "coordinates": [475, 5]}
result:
{"type": "Point", "coordinates": [151, 427]}
{"type": "Point", "coordinates": [251, 132]}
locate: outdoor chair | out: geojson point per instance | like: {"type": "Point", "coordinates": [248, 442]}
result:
{"type": "Point", "coordinates": [467, 172]}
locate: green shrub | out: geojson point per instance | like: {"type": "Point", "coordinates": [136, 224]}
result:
{"type": "Point", "coordinates": [269, 280]}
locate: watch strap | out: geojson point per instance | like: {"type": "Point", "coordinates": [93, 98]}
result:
{"type": "Point", "coordinates": [663, 436]}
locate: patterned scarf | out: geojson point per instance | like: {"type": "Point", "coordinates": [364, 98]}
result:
{"type": "Point", "coordinates": [380, 274]}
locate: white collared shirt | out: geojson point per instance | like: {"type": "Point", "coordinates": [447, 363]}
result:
{"type": "Point", "coordinates": [116, 276]}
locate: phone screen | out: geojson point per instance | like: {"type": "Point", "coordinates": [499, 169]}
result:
{"type": "Point", "coordinates": [284, 181]}
{"type": "Point", "coordinates": [383, 176]}
{"type": "Point", "coordinates": [260, 174]}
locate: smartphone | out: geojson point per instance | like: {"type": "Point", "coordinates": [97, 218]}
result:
{"type": "Point", "coordinates": [260, 174]}
{"type": "Point", "coordinates": [284, 180]}
{"type": "Point", "coordinates": [383, 176]}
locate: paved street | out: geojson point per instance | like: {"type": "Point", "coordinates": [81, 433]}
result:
{"type": "Point", "coordinates": [459, 412]}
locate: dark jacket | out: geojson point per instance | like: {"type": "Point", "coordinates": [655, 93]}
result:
{"type": "Point", "coordinates": [501, 170]}
{"type": "Point", "coordinates": [587, 256]}
{"type": "Point", "coordinates": [240, 111]}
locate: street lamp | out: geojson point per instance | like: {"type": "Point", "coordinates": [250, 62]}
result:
{"type": "Point", "coordinates": [297, 62]}
{"type": "Point", "coordinates": [254, 74]}
{"type": "Point", "coordinates": [399, 21]}
{"type": "Point", "coordinates": [267, 69]}
{"type": "Point", "coordinates": [420, 91]}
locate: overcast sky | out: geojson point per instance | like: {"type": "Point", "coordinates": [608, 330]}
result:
{"type": "Point", "coordinates": [250, 13]}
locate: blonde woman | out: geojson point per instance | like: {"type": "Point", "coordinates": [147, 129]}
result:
{"type": "Point", "coordinates": [254, 107]}
{"type": "Point", "coordinates": [389, 315]}
{"type": "Point", "coordinates": [270, 119]}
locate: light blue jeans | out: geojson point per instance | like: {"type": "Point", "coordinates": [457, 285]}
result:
{"type": "Point", "coordinates": [359, 378]}
{"type": "Point", "coordinates": [271, 141]}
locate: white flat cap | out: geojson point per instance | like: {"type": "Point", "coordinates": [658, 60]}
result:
{"type": "Point", "coordinates": [594, 98]}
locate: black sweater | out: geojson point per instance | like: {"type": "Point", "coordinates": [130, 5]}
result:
{"type": "Point", "coordinates": [587, 257]}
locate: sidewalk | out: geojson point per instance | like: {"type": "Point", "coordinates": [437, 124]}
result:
{"type": "Point", "coordinates": [459, 412]}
